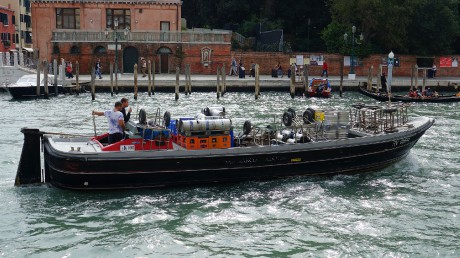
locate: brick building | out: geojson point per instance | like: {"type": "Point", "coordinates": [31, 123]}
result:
{"type": "Point", "coordinates": [122, 32]}
{"type": "Point", "coordinates": [7, 30]}
{"type": "Point", "coordinates": [23, 22]}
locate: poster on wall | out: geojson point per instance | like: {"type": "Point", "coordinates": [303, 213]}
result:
{"type": "Point", "coordinates": [445, 61]}
{"type": "Point", "coordinates": [347, 61]}
{"type": "Point", "coordinates": [316, 60]}
{"type": "Point", "coordinates": [299, 60]}
{"type": "Point", "coordinates": [448, 61]}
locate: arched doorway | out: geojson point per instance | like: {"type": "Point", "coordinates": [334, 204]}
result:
{"type": "Point", "coordinates": [164, 54]}
{"type": "Point", "coordinates": [130, 57]}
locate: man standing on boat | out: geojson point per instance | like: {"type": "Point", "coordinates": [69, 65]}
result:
{"type": "Point", "coordinates": [116, 122]}
{"type": "Point", "coordinates": [125, 104]}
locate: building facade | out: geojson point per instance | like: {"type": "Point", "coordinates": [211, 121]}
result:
{"type": "Point", "coordinates": [23, 22]}
{"type": "Point", "coordinates": [121, 32]}
{"type": "Point", "coordinates": [7, 30]}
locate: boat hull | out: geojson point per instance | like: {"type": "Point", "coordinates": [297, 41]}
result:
{"type": "Point", "coordinates": [395, 98]}
{"type": "Point", "coordinates": [173, 168]}
{"type": "Point", "coordinates": [28, 92]}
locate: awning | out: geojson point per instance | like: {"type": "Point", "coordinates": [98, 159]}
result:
{"type": "Point", "coordinates": [28, 49]}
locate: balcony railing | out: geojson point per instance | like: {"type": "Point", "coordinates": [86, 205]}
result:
{"type": "Point", "coordinates": [223, 37]}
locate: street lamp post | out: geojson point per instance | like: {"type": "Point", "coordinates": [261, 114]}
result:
{"type": "Point", "coordinates": [115, 35]}
{"type": "Point", "coordinates": [352, 75]}
{"type": "Point", "coordinates": [352, 68]}
{"type": "Point", "coordinates": [391, 56]}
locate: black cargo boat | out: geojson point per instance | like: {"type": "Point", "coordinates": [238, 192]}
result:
{"type": "Point", "coordinates": [365, 138]}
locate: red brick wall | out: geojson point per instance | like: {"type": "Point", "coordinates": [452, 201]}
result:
{"type": "Point", "coordinates": [267, 60]}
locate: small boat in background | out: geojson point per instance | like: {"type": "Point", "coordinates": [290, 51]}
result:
{"type": "Point", "coordinates": [26, 87]}
{"type": "Point", "coordinates": [383, 96]}
{"type": "Point", "coordinates": [320, 88]}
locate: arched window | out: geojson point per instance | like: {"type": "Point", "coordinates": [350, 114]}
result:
{"type": "Point", "coordinates": [164, 51]}
{"type": "Point", "coordinates": [56, 50]}
{"type": "Point", "coordinates": [100, 50]}
{"type": "Point", "coordinates": [74, 50]}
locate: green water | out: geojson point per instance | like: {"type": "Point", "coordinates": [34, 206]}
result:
{"type": "Point", "coordinates": [408, 209]}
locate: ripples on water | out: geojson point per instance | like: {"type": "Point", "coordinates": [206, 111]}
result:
{"type": "Point", "coordinates": [408, 209]}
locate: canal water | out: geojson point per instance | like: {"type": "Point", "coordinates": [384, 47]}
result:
{"type": "Point", "coordinates": [408, 209]}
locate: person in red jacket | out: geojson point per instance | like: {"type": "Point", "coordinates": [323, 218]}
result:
{"type": "Point", "coordinates": [324, 69]}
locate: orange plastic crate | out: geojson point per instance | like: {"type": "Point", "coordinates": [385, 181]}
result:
{"type": "Point", "coordinates": [219, 142]}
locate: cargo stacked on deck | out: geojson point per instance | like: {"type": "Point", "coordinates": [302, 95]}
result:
{"type": "Point", "coordinates": [210, 130]}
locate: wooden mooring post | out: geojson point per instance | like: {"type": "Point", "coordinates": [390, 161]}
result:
{"type": "Point", "coordinates": [218, 82]}
{"type": "Point", "coordinates": [257, 82]}
{"type": "Point", "coordinates": [189, 79]}
{"type": "Point", "coordinates": [412, 76]}
{"type": "Point", "coordinates": [135, 81]}
{"type": "Point", "coordinates": [55, 81]}
{"type": "Point", "coordinates": [186, 79]}
{"type": "Point", "coordinates": [149, 68]}
{"type": "Point", "coordinates": [224, 80]}
{"type": "Point", "coordinates": [369, 77]}
{"type": "Point", "coordinates": [116, 78]}
{"type": "Point", "coordinates": [305, 82]}
{"type": "Point", "coordinates": [45, 79]}
{"type": "Point", "coordinates": [153, 77]}
{"type": "Point", "coordinates": [93, 83]}
{"type": "Point", "coordinates": [177, 83]}
{"type": "Point", "coordinates": [341, 79]}
{"type": "Point", "coordinates": [424, 80]}
{"type": "Point", "coordinates": [416, 76]}
{"type": "Point", "coordinates": [111, 78]}
{"type": "Point", "coordinates": [39, 68]}
{"type": "Point", "coordinates": [292, 85]}
{"type": "Point", "coordinates": [77, 75]}
{"type": "Point", "coordinates": [379, 80]}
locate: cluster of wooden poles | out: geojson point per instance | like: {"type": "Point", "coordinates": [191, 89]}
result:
{"type": "Point", "coordinates": [298, 80]}
{"type": "Point", "coordinates": [413, 81]}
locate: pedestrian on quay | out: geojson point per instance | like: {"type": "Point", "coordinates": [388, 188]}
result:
{"type": "Point", "coordinates": [115, 121]}
{"type": "Point", "coordinates": [252, 72]}
{"type": "Point", "coordinates": [279, 70]}
{"type": "Point", "coordinates": [98, 68]}
{"type": "Point", "coordinates": [383, 81]}
{"type": "Point", "coordinates": [233, 68]}
{"type": "Point", "coordinates": [68, 70]}
{"type": "Point", "coordinates": [433, 70]}
{"type": "Point", "coordinates": [125, 104]}
{"type": "Point", "coordinates": [325, 67]}
{"type": "Point", "coordinates": [143, 67]}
